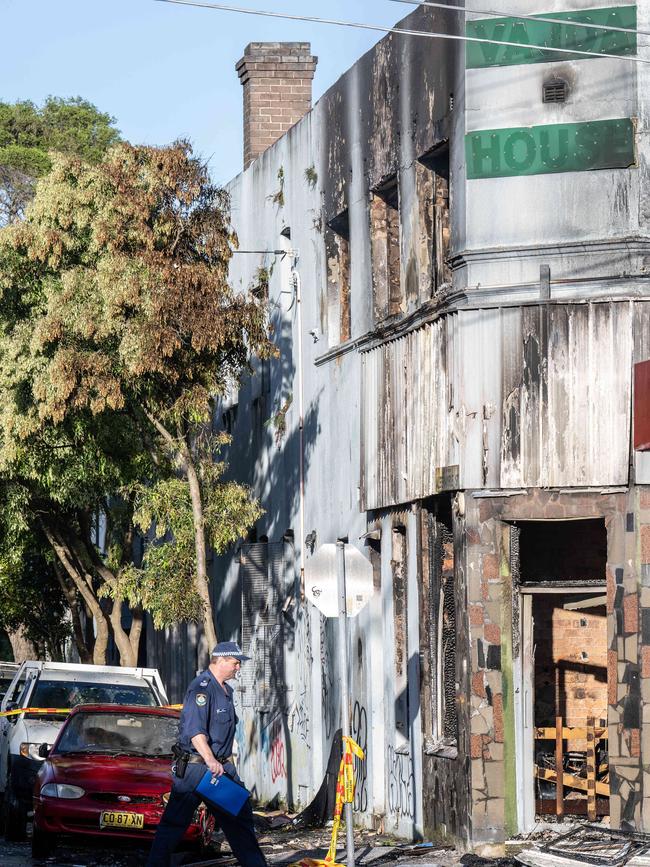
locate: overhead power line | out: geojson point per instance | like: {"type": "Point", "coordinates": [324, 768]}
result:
{"type": "Point", "coordinates": [524, 16]}
{"type": "Point", "coordinates": [398, 30]}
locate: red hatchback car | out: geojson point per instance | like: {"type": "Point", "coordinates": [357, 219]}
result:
{"type": "Point", "coordinates": [107, 775]}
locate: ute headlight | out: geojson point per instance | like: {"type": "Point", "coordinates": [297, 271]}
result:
{"type": "Point", "coordinates": [30, 751]}
{"type": "Point", "coordinates": [61, 790]}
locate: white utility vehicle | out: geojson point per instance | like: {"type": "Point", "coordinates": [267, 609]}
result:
{"type": "Point", "coordinates": [55, 687]}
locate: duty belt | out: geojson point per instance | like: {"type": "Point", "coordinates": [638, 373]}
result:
{"type": "Point", "coordinates": [196, 759]}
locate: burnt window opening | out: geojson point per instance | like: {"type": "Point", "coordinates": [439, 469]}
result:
{"type": "Point", "coordinates": [337, 249]}
{"type": "Point", "coordinates": [435, 218]}
{"type": "Point", "coordinates": [439, 539]}
{"type": "Point", "coordinates": [265, 585]}
{"type": "Point", "coordinates": [560, 567]}
{"type": "Point", "coordinates": [569, 552]}
{"type": "Point", "coordinates": [388, 294]}
{"type": "Point", "coordinates": [229, 418]}
{"type": "Point", "coordinates": [555, 90]}
{"type": "Point", "coordinates": [400, 626]}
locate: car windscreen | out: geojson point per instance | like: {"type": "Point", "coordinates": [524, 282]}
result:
{"type": "Point", "coordinates": [5, 680]}
{"type": "Point", "coordinates": [59, 694]}
{"type": "Point", "coordinates": [138, 734]}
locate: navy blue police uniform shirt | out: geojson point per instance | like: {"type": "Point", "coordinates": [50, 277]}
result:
{"type": "Point", "coordinates": [208, 709]}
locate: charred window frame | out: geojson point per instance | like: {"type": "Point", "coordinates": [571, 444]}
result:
{"type": "Point", "coordinates": [265, 578]}
{"type": "Point", "coordinates": [434, 196]}
{"type": "Point", "coordinates": [399, 562]}
{"type": "Point", "coordinates": [388, 294]}
{"type": "Point", "coordinates": [337, 249]}
{"type": "Point", "coordinates": [229, 418]}
{"type": "Point", "coordinates": [440, 649]}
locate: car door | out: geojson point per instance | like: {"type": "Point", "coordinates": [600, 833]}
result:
{"type": "Point", "coordinates": [11, 699]}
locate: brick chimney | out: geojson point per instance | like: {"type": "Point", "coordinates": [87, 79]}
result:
{"type": "Point", "coordinates": [277, 78]}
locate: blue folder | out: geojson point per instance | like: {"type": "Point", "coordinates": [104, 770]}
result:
{"type": "Point", "coordinates": [222, 792]}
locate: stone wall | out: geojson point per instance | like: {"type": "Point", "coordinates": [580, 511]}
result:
{"type": "Point", "coordinates": [495, 641]}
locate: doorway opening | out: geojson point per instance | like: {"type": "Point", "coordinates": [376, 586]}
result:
{"type": "Point", "coordinates": [560, 567]}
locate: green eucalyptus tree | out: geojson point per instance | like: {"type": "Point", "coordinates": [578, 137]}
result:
{"type": "Point", "coordinates": [117, 329]}
{"type": "Point", "coordinates": [28, 133]}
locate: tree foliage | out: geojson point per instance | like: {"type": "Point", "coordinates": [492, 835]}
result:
{"type": "Point", "coordinates": [117, 329]}
{"type": "Point", "coordinates": [164, 585]}
{"type": "Point", "coordinates": [28, 133]}
{"type": "Point", "coordinates": [30, 597]}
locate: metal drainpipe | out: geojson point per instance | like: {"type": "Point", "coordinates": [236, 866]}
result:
{"type": "Point", "coordinates": [301, 419]}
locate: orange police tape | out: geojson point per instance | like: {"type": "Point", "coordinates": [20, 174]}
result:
{"type": "Point", "coordinates": [344, 795]}
{"type": "Point", "coordinates": [46, 711]}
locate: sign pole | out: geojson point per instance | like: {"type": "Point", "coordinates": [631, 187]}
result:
{"type": "Point", "coordinates": [345, 686]}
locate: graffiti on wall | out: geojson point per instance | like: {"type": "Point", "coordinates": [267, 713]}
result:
{"type": "Point", "coordinates": [360, 735]}
{"type": "Point", "coordinates": [326, 680]}
{"type": "Point", "coordinates": [273, 748]}
{"type": "Point", "coordinates": [401, 783]}
{"type": "Point", "coordinates": [277, 763]}
{"type": "Point", "coordinates": [299, 720]}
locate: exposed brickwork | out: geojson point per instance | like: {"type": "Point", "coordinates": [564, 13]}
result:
{"type": "Point", "coordinates": [476, 616]}
{"type": "Point", "coordinates": [631, 613]}
{"type": "Point", "coordinates": [570, 663]}
{"type": "Point", "coordinates": [645, 543]}
{"type": "Point", "coordinates": [277, 79]}
{"type": "Point", "coordinates": [645, 661]}
{"type": "Point", "coordinates": [478, 683]}
{"type": "Point", "coordinates": [612, 678]}
{"type": "Point", "coordinates": [490, 567]}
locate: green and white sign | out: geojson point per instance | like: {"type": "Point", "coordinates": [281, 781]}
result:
{"type": "Point", "coordinates": [530, 32]}
{"type": "Point", "coordinates": [557, 147]}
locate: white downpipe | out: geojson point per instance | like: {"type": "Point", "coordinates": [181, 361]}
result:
{"type": "Point", "coordinates": [301, 418]}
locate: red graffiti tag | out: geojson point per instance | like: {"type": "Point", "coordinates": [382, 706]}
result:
{"type": "Point", "coordinates": [278, 768]}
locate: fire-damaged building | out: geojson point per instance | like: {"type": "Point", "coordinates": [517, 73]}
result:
{"type": "Point", "coordinates": [454, 245]}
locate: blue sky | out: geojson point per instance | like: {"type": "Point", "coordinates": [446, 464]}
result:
{"type": "Point", "coordinates": [166, 71]}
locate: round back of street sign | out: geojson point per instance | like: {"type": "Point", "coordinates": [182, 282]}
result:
{"type": "Point", "coordinates": [321, 580]}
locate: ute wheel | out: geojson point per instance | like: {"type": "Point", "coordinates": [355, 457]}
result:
{"type": "Point", "coordinates": [15, 817]}
{"type": "Point", "coordinates": [43, 843]}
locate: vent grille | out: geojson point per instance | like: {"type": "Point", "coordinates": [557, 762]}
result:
{"type": "Point", "coordinates": [265, 579]}
{"type": "Point", "coordinates": [555, 91]}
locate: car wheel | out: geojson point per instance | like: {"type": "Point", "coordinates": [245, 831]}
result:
{"type": "Point", "coordinates": [43, 843]}
{"type": "Point", "coordinates": [15, 817]}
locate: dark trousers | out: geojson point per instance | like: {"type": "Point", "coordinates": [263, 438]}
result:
{"type": "Point", "coordinates": [239, 830]}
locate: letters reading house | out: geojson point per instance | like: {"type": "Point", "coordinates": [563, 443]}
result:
{"type": "Point", "coordinates": [470, 228]}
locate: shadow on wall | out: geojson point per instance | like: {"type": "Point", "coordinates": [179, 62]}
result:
{"type": "Point", "coordinates": [265, 454]}
{"type": "Point", "coordinates": [400, 776]}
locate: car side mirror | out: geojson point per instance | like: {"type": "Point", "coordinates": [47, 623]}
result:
{"type": "Point", "coordinates": [44, 751]}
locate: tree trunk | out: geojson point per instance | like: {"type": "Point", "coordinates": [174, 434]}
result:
{"type": "Point", "coordinates": [121, 638]}
{"type": "Point", "coordinates": [182, 449]}
{"type": "Point", "coordinates": [201, 580]}
{"type": "Point", "coordinates": [68, 550]}
{"type": "Point", "coordinates": [22, 647]}
{"type": "Point", "coordinates": [136, 631]}
{"type": "Point", "coordinates": [70, 594]}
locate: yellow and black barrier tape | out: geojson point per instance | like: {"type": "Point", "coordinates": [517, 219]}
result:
{"type": "Point", "coordinates": [50, 711]}
{"type": "Point", "coordinates": [344, 795]}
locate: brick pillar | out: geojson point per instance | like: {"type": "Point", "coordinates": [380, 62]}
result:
{"type": "Point", "coordinates": [276, 77]}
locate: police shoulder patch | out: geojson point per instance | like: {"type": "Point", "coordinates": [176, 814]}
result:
{"type": "Point", "coordinates": [201, 699]}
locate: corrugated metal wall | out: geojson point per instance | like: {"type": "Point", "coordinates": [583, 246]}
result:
{"type": "Point", "coordinates": [533, 396]}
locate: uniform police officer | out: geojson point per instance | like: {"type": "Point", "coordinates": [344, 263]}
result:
{"type": "Point", "coordinates": [206, 734]}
